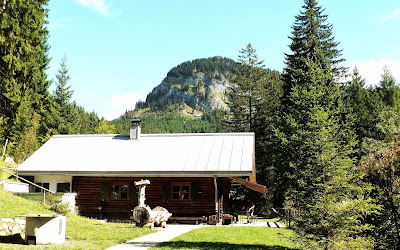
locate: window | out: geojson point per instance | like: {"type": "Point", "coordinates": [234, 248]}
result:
{"type": "Point", "coordinates": [190, 191]}
{"type": "Point", "coordinates": [63, 187]}
{"type": "Point", "coordinates": [181, 191]}
{"type": "Point", "coordinates": [39, 190]}
{"type": "Point", "coordinates": [119, 191]}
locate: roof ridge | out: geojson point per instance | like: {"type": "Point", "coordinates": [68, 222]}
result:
{"type": "Point", "coordinates": [199, 134]}
{"type": "Point", "coordinates": [158, 135]}
{"type": "Point", "coordinates": [89, 135]}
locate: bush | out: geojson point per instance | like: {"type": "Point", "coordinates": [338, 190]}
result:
{"type": "Point", "coordinates": [56, 205]}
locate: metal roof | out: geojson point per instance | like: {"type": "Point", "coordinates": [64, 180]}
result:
{"type": "Point", "coordinates": [212, 154]}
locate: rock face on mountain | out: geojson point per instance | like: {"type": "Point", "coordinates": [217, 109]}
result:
{"type": "Point", "coordinates": [198, 91]}
{"type": "Point", "coordinates": [199, 84]}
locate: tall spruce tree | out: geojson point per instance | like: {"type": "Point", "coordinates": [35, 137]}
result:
{"type": "Point", "coordinates": [23, 60]}
{"type": "Point", "coordinates": [62, 116]}
{"type": "Point", "coordinates": [310, 34]}
{"type": "Point", "coordinates": [254, 102]}
{"type": "Point", "coordinates": [247, 90]}
{"type": "Point", "coordinates": [317, 142]}
{"type": "Point", "coordinates": [66, 114]}
{"type": "Point", "coordinates": [63, 92]}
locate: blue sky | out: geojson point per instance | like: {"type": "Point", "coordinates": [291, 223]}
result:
{"type": "Point", "coordinates": [119, 50]}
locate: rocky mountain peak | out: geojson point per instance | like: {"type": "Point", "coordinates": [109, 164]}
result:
{"type": "Point", "coordinates": [199, 84]}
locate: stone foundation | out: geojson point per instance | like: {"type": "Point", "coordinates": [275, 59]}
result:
{"type": "Point", "coordinates": [10, 227]}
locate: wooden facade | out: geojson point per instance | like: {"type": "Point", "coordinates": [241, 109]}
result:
{"type": "Point", "coordinates": [92, 195]}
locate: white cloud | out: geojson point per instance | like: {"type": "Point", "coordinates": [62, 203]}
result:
{"type": "Point", "coordinates": [372, 70]}
{"type": "Point", "coordinates": [60, 23]}
{"type": "Point", "coordinates": [395, 14]}
{"type": "Point", "coordinates": [117, 105]}
{"type": "Point", "coordinates": [98, 5]}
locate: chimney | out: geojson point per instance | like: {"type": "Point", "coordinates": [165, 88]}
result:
{"type": "Point", "coordinates": [135, 129]}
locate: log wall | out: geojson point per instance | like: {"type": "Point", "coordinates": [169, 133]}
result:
{"type": "Point", "coordinates": [89, 190]}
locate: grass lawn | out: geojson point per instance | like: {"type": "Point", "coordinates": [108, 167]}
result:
{"type": "Point", "coordinates": [82, 233]}
{"type": "Point", "coordinates": [86, 233]}
{"type": "Point", "coordinates": [217, 237]}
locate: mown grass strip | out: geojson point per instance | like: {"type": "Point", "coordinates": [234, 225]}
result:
{"type": "Point", "coordinates": [238, 238]}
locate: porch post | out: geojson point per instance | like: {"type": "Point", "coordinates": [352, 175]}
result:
{"type": "Point", "coordinates": [216, 194]}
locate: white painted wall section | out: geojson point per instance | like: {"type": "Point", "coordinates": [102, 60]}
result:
{"type": "Point", "coordinates": [15, 187]}
{"type": "Point", "coordinates": [53, 180]}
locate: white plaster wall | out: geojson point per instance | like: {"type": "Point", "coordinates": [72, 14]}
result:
{"type": "Point", "coordinates": [47, 230]}
{"type": "Point", "coordinates": [69, 198]}
{"type": "Point", "coordinates": [53, 180]}
{"type": "Point", "coordinates": [15, 187]}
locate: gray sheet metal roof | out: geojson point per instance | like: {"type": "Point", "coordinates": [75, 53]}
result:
{"type": "Point", "coordinates": [217, 154]}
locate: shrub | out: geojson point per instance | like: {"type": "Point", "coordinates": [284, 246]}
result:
{"type": "Point", "coordinates": [56, 204]}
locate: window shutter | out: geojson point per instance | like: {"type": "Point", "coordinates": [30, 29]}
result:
{"type": "Point", "coordinates": [105, 191]}
{"type": "Point", "coordinates": [166, 191]}
{"type": "Point", "coordinates": [132, 192]}
{"type": "Point", "coordinates": [196, 191]}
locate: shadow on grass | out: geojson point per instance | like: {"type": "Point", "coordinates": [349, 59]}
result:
{"type": "Point", "coordinates": [13, 239]}
{"type": "Point", "coordinates": [216, 245]}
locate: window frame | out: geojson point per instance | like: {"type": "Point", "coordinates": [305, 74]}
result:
{"type": "Point", "coordinates": [63, 183]}
{"type": "Point", "coordinates": [181, 185]}
{"type": "Point", "coordinates": [120, 184]}
{"type": "Point", "coordinates": [42, 184]}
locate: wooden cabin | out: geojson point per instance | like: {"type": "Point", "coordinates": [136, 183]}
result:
{"type": "Point", "coordinates": [188, 173]}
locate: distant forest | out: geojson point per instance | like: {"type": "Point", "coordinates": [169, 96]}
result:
{"type": "Point", "coordinates": [209, 66]}
{"type": "Point", "coordinates": [165, 122]}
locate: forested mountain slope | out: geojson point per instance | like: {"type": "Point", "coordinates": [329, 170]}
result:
{"type": "Point", "coordinates": [199, 84]}
{"type": "Point", "coordinates": [191, 99]}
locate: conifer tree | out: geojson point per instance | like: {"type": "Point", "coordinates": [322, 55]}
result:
{"type": "Point", "coordinates": [62, 114]}
{"type": "Point", "coordinates": [254, 102]}
{"type": "Point", "coordinates": [366, 106]}
{"type": "Point", "coordinates": [247, 90]}
{"type": "Point", "coordinates": [389, 90]}
{"type": "Point", "coordinates": [23, 60]}
{"type": "Point", "coordinates": [310, 34]}
{"type": "Point", "coordinates": [66, 113]}
{"type": "Point", "coordinates": [63, 92]}
{"type": "Point", "coordinates": [29, 142]}
{"type": "Point", "coordinates": [317, 141]}
{"type": "Point", "coordinates": [88, 121]}
{"type": "Point", "coordinates": [317, 149]}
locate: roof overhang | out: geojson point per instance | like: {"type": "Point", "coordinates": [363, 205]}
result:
{"type": "Point", "coordinates": [253, 186]}
{"type": "Point", "coordinates": [140, 174]}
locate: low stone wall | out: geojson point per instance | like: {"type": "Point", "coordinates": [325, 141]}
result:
{"type": "Point", "coordinates": [9, 226]}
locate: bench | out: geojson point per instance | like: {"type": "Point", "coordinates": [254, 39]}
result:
{"type": "Point", "coordinates": [194, 220]}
